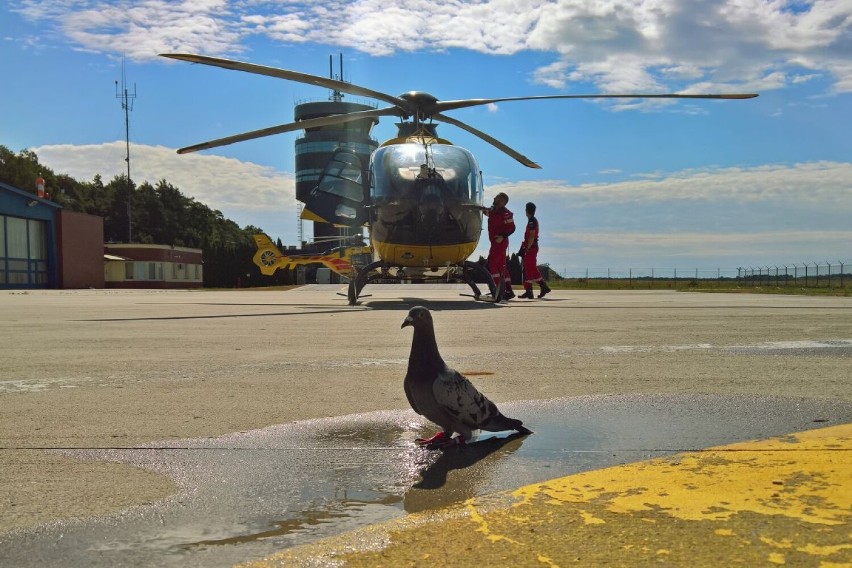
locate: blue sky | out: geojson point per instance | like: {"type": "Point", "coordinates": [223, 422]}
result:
{"type": "Point", "coordinates": [695, 184]}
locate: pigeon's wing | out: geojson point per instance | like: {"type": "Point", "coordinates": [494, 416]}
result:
{"type": "Point", "coordinates": [457, 396]}
{"type": "Point", "coordinates": [406, 384]}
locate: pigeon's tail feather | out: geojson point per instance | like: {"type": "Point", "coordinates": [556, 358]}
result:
{"type": "Point", "coordinates": [501, 422]}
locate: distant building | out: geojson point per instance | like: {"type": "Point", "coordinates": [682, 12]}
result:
{"type": "Point", "coordinates": [152, 266]}
{"type": "Point", "coordinates": [44, 246]}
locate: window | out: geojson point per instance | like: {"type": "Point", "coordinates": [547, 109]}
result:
{"type": "Point", "coordinates": [330, 146]}
{"type": "Point", "coordinates": [2, 249]}
{"type": "Point", "coordinates": [152, 271]}
{"type": "Point", "coordinates": [128, 271]}
{"type": "Point", "coordinates": [23, 251]}
{"type": "Point", "coordinates": [38, 239]}
{"type": "Point", "coordinates": [395, 170]}
{"type": "Point", "coordinates": [17, 237]}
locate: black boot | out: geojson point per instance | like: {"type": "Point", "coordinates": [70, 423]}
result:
{"type": "Point", "coordinates": [545, 289]}
{"type": "Point", "coordinates": [508, 293]}
{"type": "Point", "coordinates": [527, 294]}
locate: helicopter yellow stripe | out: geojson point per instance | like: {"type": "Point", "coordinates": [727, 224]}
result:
{"type": "Point", "coordinates": [423, 256]}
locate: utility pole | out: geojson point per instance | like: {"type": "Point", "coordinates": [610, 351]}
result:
{"type": "Point", "coordinates": [127, 105]}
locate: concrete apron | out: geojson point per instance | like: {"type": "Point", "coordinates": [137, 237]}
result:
{"type": "Point", "coordinates": [252, 494]}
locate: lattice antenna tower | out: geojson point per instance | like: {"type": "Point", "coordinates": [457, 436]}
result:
{"type": "Point", "coordinates": [300, 226]}
{"type": "Point", "coordinates": [336, 95]}
{"type": "Point", "coordinates": [127, 99]}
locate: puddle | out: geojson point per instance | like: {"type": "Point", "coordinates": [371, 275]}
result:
{"type": "Point", "coordinates": [249, 494]}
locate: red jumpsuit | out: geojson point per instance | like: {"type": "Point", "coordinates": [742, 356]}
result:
{"type": "Point", "coordinates": [501, 222]}
{"type": "Point", "coordinates": [531, 273]}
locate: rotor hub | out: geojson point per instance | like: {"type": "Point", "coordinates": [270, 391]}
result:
{"type": "Point", "coordinates": [421, 102]}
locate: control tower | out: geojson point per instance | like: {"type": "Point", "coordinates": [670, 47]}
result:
{"type": "Point", "coordinates": [316, 147]}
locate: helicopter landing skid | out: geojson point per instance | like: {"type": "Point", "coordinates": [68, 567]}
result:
{"type": "Point", "coordinates": [472, 269]}
{"type": "Point", "coordinates": [468, 273]}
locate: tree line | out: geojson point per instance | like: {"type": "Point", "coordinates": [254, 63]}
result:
{"type": "Point", "coordinates": [149, 214]}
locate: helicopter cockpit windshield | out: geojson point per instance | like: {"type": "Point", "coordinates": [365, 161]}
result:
{"type": "Point", "coordinates": [426, 195]}
{"type": "Point", "coordinates": [408, 171]}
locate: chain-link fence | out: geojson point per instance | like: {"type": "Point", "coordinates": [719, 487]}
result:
{"type": "Point", "coordinates": [813, 274]}
{"type": "Point", "coordinates": [834, 274]}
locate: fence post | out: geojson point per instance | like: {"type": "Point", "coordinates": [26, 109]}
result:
{"type": "Point", "coordinates": [841, 274]}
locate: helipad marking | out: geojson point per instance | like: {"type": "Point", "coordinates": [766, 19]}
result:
{"type": "Point", "coordinates": [799, 476]}
{"type": "Point", "coordinates": [785, 500]}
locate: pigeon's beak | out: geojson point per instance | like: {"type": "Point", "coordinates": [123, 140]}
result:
{"type": "Point", "coordinates": [406, 322]}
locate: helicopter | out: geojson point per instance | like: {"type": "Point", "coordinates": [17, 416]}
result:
{"type": "Point", "coordinates": [420, 196]}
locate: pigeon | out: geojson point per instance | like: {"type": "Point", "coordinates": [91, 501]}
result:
{"type": "Point", "coordinates": [444, 395]}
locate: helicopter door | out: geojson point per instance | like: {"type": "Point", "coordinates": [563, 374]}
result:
{"type": "Point", "coordinates": [338, 198]}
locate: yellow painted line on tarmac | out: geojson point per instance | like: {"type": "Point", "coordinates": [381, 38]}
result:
{"type": "Point", "coordinates": [782, 501]}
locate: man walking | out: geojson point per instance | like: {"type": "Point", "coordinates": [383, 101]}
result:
{"type": "Point", "coordinates": [529, 252]}
{"type": "Point", "coordinates": [501, 224]}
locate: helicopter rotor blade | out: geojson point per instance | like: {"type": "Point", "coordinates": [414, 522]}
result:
{"type": "Point", "coordinates": [289, 75]}
{"type": "Point", "coordinates": [298, 125]}
{"type": "Point", "coordinates": [441, 106]}
{"type": "Point", "coordinates": [493, 141]}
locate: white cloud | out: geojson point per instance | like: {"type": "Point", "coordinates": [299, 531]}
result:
{"type": "Point", "coordinates": [828, 183]}
{"type": "Point", "coordinates": [245, 192]}
{"type": "Point", "coordinates": [574, 251]}
{"type": "Point", "coordinates": [621, 45]}
{"type": "Point", "coordinates": [725, 217]}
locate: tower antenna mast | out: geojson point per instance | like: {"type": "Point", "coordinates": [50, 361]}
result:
{"type": "Point", "coordinates": [126, 105]}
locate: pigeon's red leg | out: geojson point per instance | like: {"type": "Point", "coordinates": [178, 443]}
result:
{"type": "Point", "coordinates": [434, 439]}
{"type": "Point", "coordinates": [447, 442]}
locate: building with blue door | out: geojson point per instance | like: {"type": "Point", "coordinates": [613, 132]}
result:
{"type": "Point", "coordinates": [43, 245]}
{"type": "Point", "coordinates": [28, 239]}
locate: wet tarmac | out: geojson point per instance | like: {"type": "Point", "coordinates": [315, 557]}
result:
{"type": "Point", "coordinates": [249, 494]}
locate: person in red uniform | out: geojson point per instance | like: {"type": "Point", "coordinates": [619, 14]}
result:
{"type": "Point", "coordinates": [501, 224]}
{"type": "Point", "coordinates": [529, 251]}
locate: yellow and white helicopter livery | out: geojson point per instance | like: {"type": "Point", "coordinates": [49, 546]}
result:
{"type": "Point", "coordinates": [420, 196]}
